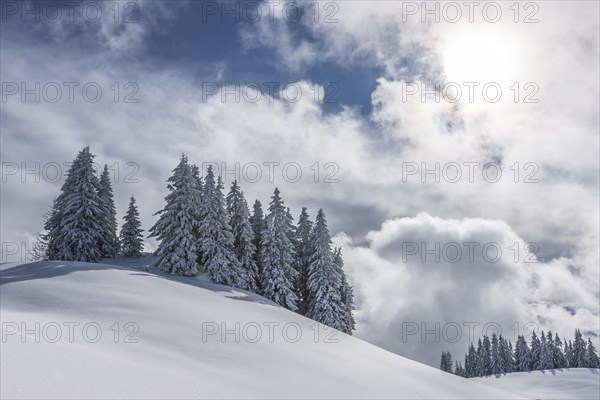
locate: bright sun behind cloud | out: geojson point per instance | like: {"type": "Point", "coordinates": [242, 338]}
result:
{"type": "Point", "coordinates": [479, 58]}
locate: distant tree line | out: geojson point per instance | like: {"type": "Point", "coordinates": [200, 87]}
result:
{"type": "Point", "coordinates": [200, 230]}
{"type": "Point", "coordinates": [497, 356]}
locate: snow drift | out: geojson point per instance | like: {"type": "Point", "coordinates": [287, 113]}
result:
{"type": "Point", "coordinates": [574, 383]}
{"type": "Point", "coordinates": [80, 330]}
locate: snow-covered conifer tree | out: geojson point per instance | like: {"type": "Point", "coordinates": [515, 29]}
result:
{"type": "Point", "coordinates": [446, 362]}
{"type": "Point", "coordinates": [509, 362]}
{"type": "Point", "coordinates": [219, 261]}
{"type": "Point", "coordinates": [132, 243]}
{"type": "Point", "coordinates": [534, 354]}
{"type": "Point", "coordinates": [291, 229]}
{"type": "Point", "coordinates": [503, 359]}
{"type": "Point", "coordinates": [277, 257]}
{"type": "Point", "coordinates": [551, 350]}
{"type": "Point", "coordinates": [324, 280]}
{"type": "Point", "coordinates": [177, 251]}
{"type": "Point", "coordinates": [486, 354]}
{"type": "Point", "coordinates": [591, 356]}
{"type": "Point", "coordinates": [347, 293]}
{"type": "Point", "coordinates": [579, 350]}
{"type": "Point", "coordinates": [75, 224]}
{"type": "Point", "coordinates": [471, 362]}
{"type": "Point", "coordinates": [259, 225]}
{"type": "Point", "coordinates": [522, 355]}
{"type": "Point", "coordinates": [479, 366]}
{"type": "Point", "coordinates": [458, 369]}
{"type": "Point", "coordinates": [560, 361]}
{"type": "Point", "coordinates": [109, 245]}
{"type": "Point", "coordinates": [233, 198]}
{"type": "Point", "coordinates": [198, 178]}
{"type": "Point", "coordinates": [496, 364]}
{"type": "Point", "coordinates": [545, 353]}
{"type": "Point", "coordinates": [243, 236]}
{"type": "Point", "coordinates": [303, 252]}
{"type": "Point", "coordinates": [568, 350]}
{"type": "Point", "coordinates": [197, 201]}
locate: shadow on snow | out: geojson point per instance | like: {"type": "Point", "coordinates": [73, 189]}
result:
{"type": "Point", "coordinates": [51, 269]}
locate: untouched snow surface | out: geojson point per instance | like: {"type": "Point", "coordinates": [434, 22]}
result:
{"type": "Point", "coordinates": [109, 331]}
{"type": "Point", "coordinates": [574, 383]}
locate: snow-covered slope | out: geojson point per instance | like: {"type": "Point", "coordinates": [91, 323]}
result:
{"type": "Point", "coordinates": [171, 359]}
{"type": "Point", "coordinates": [576, 383]}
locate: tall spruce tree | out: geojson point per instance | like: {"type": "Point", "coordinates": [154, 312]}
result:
{"type": "Point", "coordinates": [458, 369]}
{"type": "Point", "coordinates": [551, 350]}
{"type": "Point", "coordinates": [197, 201]}
{"type": "Point", "coordinates": [177, 251]}
{"type": "Point", "coordinates": [198, 178]}
{"type": "Point", "coordinates": [243, 236]}
{"type": "Point", "coordinates": [522, 355]}
{"type": "Point", "coordinates": [219, 261]}
{"type": "Point", "coordinates": [324, 280]}
{"type": "Point", "coordinates": [560, 360]}
{"type": "Point", "coordinates": [504, 362]}
{"type": "Point", "coordinates": [471, 362]}
{"type": "Point", "coordinates": [76, 219]}
{"type": "Point", "coordinates": [259, 225]}
{"type": "Point", "coordinates": [291, 228]}
{"type": "Point", "coordinates": [510, 360]}
{"type": "Point", "coordinates": [109, 245]}
{"type": "Point", "coordinates": [132, 243]}
{"type": "Point", "coordinates": [591, 356]}
{"type": "Point", "coordinates": [302, 261]}
{"type": "Point", "coordinates": [545, 354]}
{"type": "Point", "coordinates": [579, 350]}
{"type": "Point", "coordinates": [446, 362]}
{"type": "Point", "coordinates": [486, 354]}
{"type": "Point", "coordinates": [496, 364]}
{"type": "Point", "coordinates": [347, 294]}
{"type": "Point", "coordinates": [568, 350]}
{"type": "Point", "coordinates": [277, 257]}
{"type": "Point", "coordinates": [534, 354]}
{"type": "Point", "coordinates": [479, 365]}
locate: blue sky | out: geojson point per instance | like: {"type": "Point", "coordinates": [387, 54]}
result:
{"type": "Point", "coordinates": [196, 38]}
{"type": "Point", "coordinates": [377, 141]}
{"type": "Point", "coordinates": [190, 44]}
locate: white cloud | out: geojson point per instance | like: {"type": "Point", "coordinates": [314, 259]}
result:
{"type": "Point", "coordinates": [120, 26]}
{"type": "Point", "coordinates": [405, 286]}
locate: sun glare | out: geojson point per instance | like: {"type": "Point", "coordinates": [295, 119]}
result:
{"type": "Point", "coordinates": [478, 58]}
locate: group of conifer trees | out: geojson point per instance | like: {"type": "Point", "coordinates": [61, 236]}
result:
{"type": "Point", "coordinates": [202, 230]}
{"type": "Point", "coordinates": [81, 224]}
{"type": "Point", "coordinates": [497, 356]}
